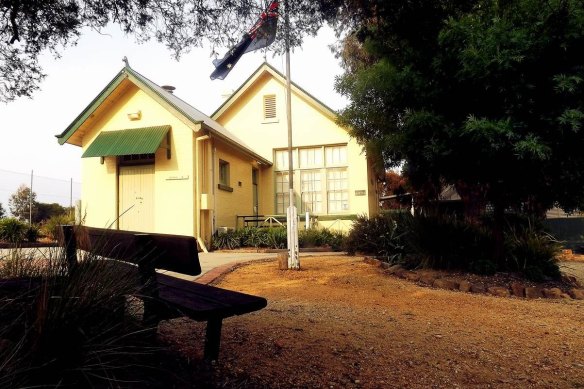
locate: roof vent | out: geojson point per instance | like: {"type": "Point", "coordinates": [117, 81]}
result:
{"type": "Point", "coordinates": [168, 88]}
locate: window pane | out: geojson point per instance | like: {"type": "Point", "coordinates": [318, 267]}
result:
{"type": "Point", "coordinates": [336, 155]}
{"type": "Point", "coordinates": [282, 192]}
{"type": "Point", "coordinates": [223, 172]}
{"type": "Point", "coordinates": [281, 159]}
{"type": "Point", "coordinates": [311, 157]}
{"type": "Point", "coordinates": [311, 191]}
{"type": "Point", "coordinates": [337, 193]}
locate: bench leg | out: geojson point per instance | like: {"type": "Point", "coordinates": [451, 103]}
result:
{"type": "Point", "coordinates": [213, 339]}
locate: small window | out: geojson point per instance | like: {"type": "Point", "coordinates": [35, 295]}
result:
{"type": "Point", "coordinates": [269, 107]}
{"type": "Point", "coordinates": [224, 175]}
{"type": "Point", "coordinates": [136, 159]}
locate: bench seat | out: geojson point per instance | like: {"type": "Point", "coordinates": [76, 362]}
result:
{"type": "Point", "coordinates": [165, 296]}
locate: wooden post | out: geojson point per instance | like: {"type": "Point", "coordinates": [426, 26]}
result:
{"type": "Point", "coordinates": [213, 339]}
{"type": "Point", "coordinates": [70, 245]}
{"type": "Point", "coordinates": [283, 261]}
{"type": "Point", "coordinates": [147, 273]}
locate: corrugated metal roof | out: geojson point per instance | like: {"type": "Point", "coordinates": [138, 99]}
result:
{"type": "Point", "coordinates": [195, 115]}
{"type": "Point", "coordinates": [131, 141]}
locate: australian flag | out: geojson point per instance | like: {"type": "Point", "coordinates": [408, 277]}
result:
{"type": "Point", "coordinates": [261, 35]}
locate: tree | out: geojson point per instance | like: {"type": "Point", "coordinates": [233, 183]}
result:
{"type": "Point", "coordinates": [2, 211]}
{"type": "Point", "coordinates": [485, 95]}
{"type": "Point", "coordinates": [45, 211]}
{"type": "Point", "coordinates": [397, 185]}
{"type": "Point", "coordinates": [19, 203]}
{"type": "Point", "coordinates": [28, 28]}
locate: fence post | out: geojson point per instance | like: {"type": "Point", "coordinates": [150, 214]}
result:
{"type": "Point", "coordinates": [70, 245]}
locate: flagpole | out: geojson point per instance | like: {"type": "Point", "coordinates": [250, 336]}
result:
{"type": "Point", "coordinates": [292, 213]}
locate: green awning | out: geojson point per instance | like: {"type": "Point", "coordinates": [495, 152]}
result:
{"type": "Point", "coordinates": [132, 141]}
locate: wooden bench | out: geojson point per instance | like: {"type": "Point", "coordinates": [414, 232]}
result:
{"type": "Point", "coordinates": [164, 295]}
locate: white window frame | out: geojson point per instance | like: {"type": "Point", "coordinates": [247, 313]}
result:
{"type": "Point", "coordinates": [334, 194]}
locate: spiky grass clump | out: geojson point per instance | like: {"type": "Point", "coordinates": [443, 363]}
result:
{"type": "Point", "coordinates": [72, 330]}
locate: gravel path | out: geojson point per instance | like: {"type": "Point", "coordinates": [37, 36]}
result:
{"type": "Point", "coordinates": [340, 323]}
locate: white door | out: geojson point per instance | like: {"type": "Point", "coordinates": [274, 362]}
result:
{"type": "Point", "coordinates": [136, 198]}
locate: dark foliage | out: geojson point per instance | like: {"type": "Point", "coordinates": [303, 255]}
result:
{"type": "Point", "coordinates": [13, 230]}
{"type": "Point", "coordinates": [446, 242]}
{"type": "Point", "coordinates": [276, 238]}
{"type": "Point", "coordinates": [483, 95]}
{"type": "Point", "coordinates": [29, 28]}
{"type": "Point", "coordinates": [59, 330]}
{"type": "Point", "coordinates": [382, 236]}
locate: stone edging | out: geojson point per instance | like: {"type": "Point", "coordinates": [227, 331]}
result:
{"type": "Point", "coordinates": [217, 273]}
{"type": "Point", "coordinates": [516, 289]}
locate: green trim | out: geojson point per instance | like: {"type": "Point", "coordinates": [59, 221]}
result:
{"type": "Point", "coordinates": [321, 217]}
{"type": "Point", "coordinates": [97, 101]}
{"type": "Point", "coordinates": [133, 141]}
{"type": "Point", "coordinates": [151, 89]}
{"type": "Point", "coordinates": [327, 218]}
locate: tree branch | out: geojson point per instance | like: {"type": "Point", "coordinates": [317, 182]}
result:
{"type": "Point", "coordinates": [15, 35]}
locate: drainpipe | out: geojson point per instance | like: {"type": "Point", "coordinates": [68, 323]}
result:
{"type": "Point", "coordinates": [213, 186]}
{"type": "Point", "coordinates": [198, 191]}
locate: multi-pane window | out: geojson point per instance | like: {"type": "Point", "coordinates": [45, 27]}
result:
{"type": "Point", "coordinates": [336, 155]}
{"type": "Point", "coordinates": [281, 159]}
{"type": "Point", "coordinates": [311, 191]}
{"type": "Point", "coordinates": [323, 180]}
{"type": "Point", "coordinates": [310, 158]}
{"type": "Point", "coordinates": [269, 107]}
{"type": "Point", "coordinates": [223, 172]}
{"type": "Point", "coordinates": [337, 190]}
{"type": "Point", "coordinates": [282, 192]}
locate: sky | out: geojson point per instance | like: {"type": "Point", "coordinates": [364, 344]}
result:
{"type": "Point", "coordinates": [28, 126]}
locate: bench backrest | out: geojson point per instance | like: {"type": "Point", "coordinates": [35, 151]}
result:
{"type": "Point", "coordinates": [176, 253]}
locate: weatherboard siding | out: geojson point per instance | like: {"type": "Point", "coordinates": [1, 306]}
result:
{"type": "Point", "coordinates": [173, 178]}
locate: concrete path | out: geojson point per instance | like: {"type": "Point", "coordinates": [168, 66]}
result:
{"type": "Point", "coordinates": [574, 268]}
{"type": "Point", "coordinates": [213, 264]}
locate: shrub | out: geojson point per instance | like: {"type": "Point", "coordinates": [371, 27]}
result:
{"type": "Point", "coordinates": [13, 230]}
{"type": "Point", "coordinates": [382, 236]}
{"type": "Point", "coordinates": [532, 252]}
{"type": "Point", "coordinates": [321, 238]}
{"type": "Point", "coordinates": [336, 240]}
{"type": "Point", "coordinates": [52, 229]}
{"type": "Point", "coordinates": [32, 233]}
{"type": "Point", "coordinates": [225, 240]}
{"type": "Point", "coordinates": [310, 238]}
{"type": "Point", "coordinates": [445, 242]}
{"type": "Point", "coordinates": [277, 238]}
{"type": "Point", "coordinates": [72, 330]}
{"type": "Point", "coordinates": [255, 237]}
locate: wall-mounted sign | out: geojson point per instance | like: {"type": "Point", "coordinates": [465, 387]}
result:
{"type": "Point", "coordinates": [360, 192]}
{"type": "Point", "coordinates": [177, 178]}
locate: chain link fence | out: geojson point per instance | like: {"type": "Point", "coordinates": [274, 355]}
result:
{"type": "Point", "coordinates": [62, 191]}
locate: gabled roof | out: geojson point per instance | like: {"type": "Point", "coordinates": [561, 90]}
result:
{"type": "Point", "coordinates": [266, 68]}
{"type": "Point", "coordinates": [177, 106]}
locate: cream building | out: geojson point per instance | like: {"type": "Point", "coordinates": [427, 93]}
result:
{"type": "Point", "coordinates": [153, 163]}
